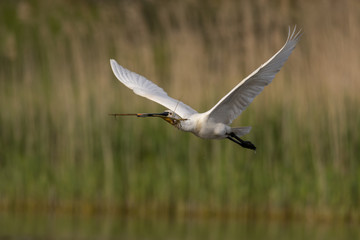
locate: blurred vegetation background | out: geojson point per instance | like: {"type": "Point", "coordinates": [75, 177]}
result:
{"type": "Point", "coordinates": [60, 151]}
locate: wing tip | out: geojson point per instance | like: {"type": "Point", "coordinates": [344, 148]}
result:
{"type": "Point", "coordinates": [113, 62]}
{"type": "Point", "coordinates": [294, 35]}
{"type": "Point", "coordinates": [119, 71]}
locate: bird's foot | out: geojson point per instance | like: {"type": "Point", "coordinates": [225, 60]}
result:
{"type": "Point", "coordinates": [249, 145]}
{"type": "Point", "coordinates": [244, 144]}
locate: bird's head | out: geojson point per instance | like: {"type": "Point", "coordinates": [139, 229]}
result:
{"type": "Point", "coordinates": [168, 115]}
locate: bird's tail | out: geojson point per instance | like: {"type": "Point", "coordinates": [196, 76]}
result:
{"type": "Point", "coordinates": [241, 131]}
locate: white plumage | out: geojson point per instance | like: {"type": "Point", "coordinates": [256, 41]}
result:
{"type": "Point", "coordinates": [145, 88]}
{"type": "Point", "coordinates": [213, 124]}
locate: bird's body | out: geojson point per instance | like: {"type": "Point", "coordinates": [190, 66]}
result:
{"type": "Point", "coordinates": [213, 124]}
{"type": "Point", "coordinates": [203, 127]}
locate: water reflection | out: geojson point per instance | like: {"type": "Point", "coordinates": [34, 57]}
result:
{"type": "Point", "coordinates": [18, 226]}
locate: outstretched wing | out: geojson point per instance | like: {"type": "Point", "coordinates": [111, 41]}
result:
{"type": "Point", "coordinates": [145, 88]}
{"type": "Point", "coordinates": [237, 100]}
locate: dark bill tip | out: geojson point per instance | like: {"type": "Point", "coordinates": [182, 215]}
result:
{"type": "Point", "coordinates": [164, 114]}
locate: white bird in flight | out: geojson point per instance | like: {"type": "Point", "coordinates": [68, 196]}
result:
{"type": "Point", "coordinates": [213, 124]}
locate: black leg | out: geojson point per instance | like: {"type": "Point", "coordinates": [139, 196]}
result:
{"type": "Point", "coordinates": [230, 138]}
{"type": "Point", "coordinates": [244, 144]}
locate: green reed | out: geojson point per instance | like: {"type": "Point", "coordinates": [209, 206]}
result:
{"type": "Point", "coordinates": [60, 149]}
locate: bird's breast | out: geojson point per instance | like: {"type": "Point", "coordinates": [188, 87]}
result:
{"type": "Point", "coordinates": [210, 130]}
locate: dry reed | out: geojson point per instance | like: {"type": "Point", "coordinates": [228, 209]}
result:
{"type": "Point", "coordinates": [60, 148]}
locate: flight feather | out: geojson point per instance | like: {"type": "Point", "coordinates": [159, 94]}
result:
{"type": "Point", "coordinates": [145, 88]}
{"type": "Point", "coordinates": [239, 98]}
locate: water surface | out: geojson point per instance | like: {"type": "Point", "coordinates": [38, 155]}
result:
{"type": "Point", "coordinates": [30, 226]}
